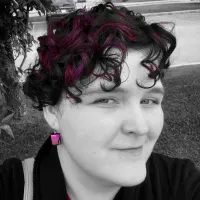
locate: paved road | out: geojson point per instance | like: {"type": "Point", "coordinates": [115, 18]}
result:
{"type": "Point", "coordinates": [169, 7]}
{"type": "Point", "coordinates": [187, 32]}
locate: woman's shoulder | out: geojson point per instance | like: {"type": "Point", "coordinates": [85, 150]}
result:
{"type": "Point", "coordinates": [172, 163]}
{"type": "Point", "coordinates": [11, 179]}
{"type": "Point", "coordinates": [180, 173]}
{"type": "Point", "coordinates": [173, 166]}
{"type": "Point", "coordinates": [164, 159]}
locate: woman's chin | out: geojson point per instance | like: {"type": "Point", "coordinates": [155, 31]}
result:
{"type": "Point", "coordinates": [132, 175]}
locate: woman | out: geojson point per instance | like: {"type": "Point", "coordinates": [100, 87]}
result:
{"type": "Point", "coordinates": [101, 149]}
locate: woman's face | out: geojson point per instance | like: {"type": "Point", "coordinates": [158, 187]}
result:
{"type": "Point", "coordinates": [93, 131]}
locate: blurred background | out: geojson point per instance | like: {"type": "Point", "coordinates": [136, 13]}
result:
{"type": "Point", "coordinates": [184, 13]}
{"type": "Point", "coordinates": [181, 133]}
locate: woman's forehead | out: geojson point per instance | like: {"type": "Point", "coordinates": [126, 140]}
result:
{"type": "Point", "coordinates": [132, 70]}
{"type": "Point", "coordinates": [125, 88]}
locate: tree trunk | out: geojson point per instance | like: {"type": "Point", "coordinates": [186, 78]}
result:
{"type": "Point", "coordinates": [8, 74]}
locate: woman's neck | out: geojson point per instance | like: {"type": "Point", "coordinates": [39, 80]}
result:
{"type": "Point", "coordinates": [80, 185]}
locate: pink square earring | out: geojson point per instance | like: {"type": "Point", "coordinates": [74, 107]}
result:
{"type": "Point", "coordinates": [55, 138]}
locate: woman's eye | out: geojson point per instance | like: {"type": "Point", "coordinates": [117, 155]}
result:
{"type": "Point", "coordinates": [145, 101]}
{"type": "Point", "coordinates": [103, 100]}
{"type": "Point", "coordinates": [149, 101]}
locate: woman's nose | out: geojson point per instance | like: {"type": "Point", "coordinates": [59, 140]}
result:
{"type": "Point", "coordinates": [136, 121]}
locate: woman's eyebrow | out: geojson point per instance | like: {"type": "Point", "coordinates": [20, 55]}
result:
{"type": "Point", "coordinates": [155, 90]}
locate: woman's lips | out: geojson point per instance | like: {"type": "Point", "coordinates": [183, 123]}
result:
{"type": "Point", "coordinates": [132, 151]}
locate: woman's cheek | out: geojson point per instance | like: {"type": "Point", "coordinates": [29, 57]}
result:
{"type": "Point", "coordinates": [156, 121]}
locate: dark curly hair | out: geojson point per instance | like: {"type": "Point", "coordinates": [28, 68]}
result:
{"type": "Point", "coordinates": [75, 44]}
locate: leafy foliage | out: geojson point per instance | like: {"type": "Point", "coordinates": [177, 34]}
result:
{"type": "Point", "coordinates": [4, 121]}
{"type": "Point", "coordinates": [16, 40]}
{"type": "Point", "coordinates": [15, 25]}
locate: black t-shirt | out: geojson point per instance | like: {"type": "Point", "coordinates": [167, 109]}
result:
{"type": "Point", "coordinates": [167, 179]}
{"type": "Point", "coordinates": [11, 180]}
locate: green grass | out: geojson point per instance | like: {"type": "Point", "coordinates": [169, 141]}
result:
{"type": "Point", "coordinates": [181, 133]}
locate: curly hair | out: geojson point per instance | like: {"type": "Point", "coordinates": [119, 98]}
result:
{"type": "Point", "coordinates": [75, 44]}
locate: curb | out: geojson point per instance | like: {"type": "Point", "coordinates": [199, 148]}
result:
{"type": "Point", "coordinates": [185, 64]}
{"type": "Point", "coordinates": [153, 2]}
{"type": "Point", "coordinates": [172, 12]}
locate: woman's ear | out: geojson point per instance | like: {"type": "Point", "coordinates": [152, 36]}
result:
{"type": "Point", "coordinates": [51, 117]}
